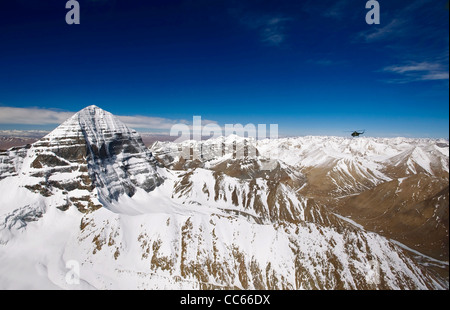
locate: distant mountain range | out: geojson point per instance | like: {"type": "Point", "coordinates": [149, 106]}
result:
{"type": "Point", "coordinates": [231, 212]}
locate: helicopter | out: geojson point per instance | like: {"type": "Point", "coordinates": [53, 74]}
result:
{"type": "Point", "coordinates": [357, 133]}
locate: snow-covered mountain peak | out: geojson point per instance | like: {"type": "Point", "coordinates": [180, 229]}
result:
{"type": "Point", "coordinates": [95, 118]}
{"type": "Point", "coordinates": [95, 123]}
{"type": "Point", "coordinates": [93, 155]}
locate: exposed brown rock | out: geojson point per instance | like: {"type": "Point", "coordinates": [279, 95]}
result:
{"type": "Point", "coordinates": [413, 211]}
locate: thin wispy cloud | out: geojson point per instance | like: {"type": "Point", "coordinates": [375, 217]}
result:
{"type": "Point", "coordinates": [423, 71]}
{"type": "Point", "coordinates": [32, 116]}
{"type": "Point", "coordinates": [338, 10]}
{"type": "Point", "coordinates": [394, 28]}
{"type": "Point", "coordinates": [272, 29]}
{"type": "Point", "coordinates": [417, 67]}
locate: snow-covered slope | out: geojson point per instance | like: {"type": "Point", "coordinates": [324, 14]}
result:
{"type": "Point", "coordinates": [309, 176]}
{"type": "Point", "coordinates": [247, 217]}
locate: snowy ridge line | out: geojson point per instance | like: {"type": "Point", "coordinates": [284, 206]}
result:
{"type": "Point", "coordinates": [418, 253]}
{"type": "Point", "coordinates": [367, 155]}
{"type": "Point", "coordinates": [346, 219]}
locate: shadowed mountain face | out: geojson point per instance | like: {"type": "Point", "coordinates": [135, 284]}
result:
{"type": "Point", "coordinates": [311, 212]}
{"type": "Point", "coordinates": [89, 161]}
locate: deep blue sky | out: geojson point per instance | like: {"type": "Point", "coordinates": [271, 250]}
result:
{"type": "Point", "coordinates": [313, 67]}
